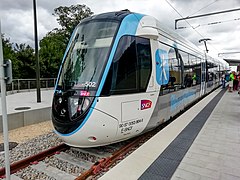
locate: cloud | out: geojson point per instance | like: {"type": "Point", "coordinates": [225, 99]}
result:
{"type": "Point", "coordinates": [12, 4]}
{"type": "Point", "coordinates": [17, 18]}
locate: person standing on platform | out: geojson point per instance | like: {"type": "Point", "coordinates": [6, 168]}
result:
{"type": "Point", "coordinates": [239, 83]}
{"type": "Point", "coordinates": [235, 82]}
{"type": "Point", "coordinates": [238, 77]}
{"type": "Point", "coordinates": [231, 78]}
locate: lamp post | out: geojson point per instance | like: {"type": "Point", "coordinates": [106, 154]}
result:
{"type": "Point", "coordinates": [36, 53]}
{"type": "Point", "coordinates": [205, 40]}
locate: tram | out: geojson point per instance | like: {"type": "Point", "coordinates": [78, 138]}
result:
{"type": "Point", "coordinates": [124, 74]}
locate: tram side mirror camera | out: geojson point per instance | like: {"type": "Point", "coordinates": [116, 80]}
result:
{"type": "Point", "coordinates": [7, 71]}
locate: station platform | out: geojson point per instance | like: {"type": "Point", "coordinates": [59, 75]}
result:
{"type": "Point", "coordinates": [201, 144]}
{"type": "Point", "coordinates": [23, 109]}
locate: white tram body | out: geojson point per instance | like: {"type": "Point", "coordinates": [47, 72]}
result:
{"type": "Point", "coordinates": [123, 74]}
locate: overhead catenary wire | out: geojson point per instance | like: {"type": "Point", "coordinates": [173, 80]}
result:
{"type": "Point", "coordinates": [203, 8]}
{"type": "Point", "coordinates": [189, 23]}
{"type": "Point", "coordinates": [211, 23]}
{"type": "Point", "coordinates": [182, 17]}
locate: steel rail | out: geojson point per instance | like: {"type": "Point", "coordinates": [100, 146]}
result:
{"type": "Point", "coordinates": [31, 159]}
{"type": "Point", "coordinates": [104, 163]}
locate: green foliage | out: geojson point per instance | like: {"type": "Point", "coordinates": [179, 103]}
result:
{"type": "Point", "coordinates": [22, 57]}
{"type": "Point", "coordinates": [9, 53]}
{"type": "Point", "coordinates": [69, 17]}
{"type": "Point", "coordinates": [25, 60]}
{"type": "Point", "coordinates": [51, 53]}
{"type": "Point", "coordinates": [52, 46]}
{"type": "Point", "coordinates": [7, 48]}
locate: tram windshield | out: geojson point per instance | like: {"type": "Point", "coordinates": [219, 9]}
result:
{"type": "Point", "coordinates": [87, 55]}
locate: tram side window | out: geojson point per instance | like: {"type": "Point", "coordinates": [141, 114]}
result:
{"type": "Point", "coordinates": [187, 80]}
{"type": "Point", "coordinates": [131, 67]}
{"type": "Point", "coordinates": [174, 68]}
{"type": "Point", "coordinates": [195, 69]}
{"type": "Point", "coordinates": [125, 66]}
{"type": "Point", "coordinates": [210, 71]}
{"type": "Point", "coordinates": [175, 73]}
{"type": "Point", "coordinates": [215, 70]}
{"type": "Point", "coordinates": [192, 70]}
{"type": "Point", "coordinates": [218, 73]}
{"type": "Point", "coordinates": [144, 62]}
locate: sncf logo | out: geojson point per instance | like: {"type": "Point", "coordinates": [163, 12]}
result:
{"type": "Point", "coordinates": [145, 104]}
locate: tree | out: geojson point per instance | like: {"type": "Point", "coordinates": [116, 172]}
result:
{"type": "Point", "coordinates": [69, 17]}
{"type": "Point", "coordinates": [53, 45]}
{"type": "Point", "coordinates": [51, 53]}
{"type": "Point", "coordinates": [7, 48]}
{"type": "Point", "coordinates": [9, 53]}
{"type": "Point", "coordinates": [26, 61]}
{"type": "Point", "coordinates": [22, 57]}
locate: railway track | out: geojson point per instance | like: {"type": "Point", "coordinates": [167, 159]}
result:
{"type": "Point", "coordinates": [64, 162]}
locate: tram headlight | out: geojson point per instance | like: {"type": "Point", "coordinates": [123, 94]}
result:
{"type": "Point", "coordinates": [73, 103]}
{"type": "Point", "coordinates": [78, 105]}
{"type": "Point", "coordinates": [85, 104]}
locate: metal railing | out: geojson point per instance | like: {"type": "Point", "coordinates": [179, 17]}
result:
{"type": "Point", "coordinates": [19, 85]}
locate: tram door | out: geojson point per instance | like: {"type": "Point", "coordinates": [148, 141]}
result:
{"type": "Point", "coordinates": [203, 78]}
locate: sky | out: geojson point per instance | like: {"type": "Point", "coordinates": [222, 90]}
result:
{"type": "Point", "coordinates": [17, 19]}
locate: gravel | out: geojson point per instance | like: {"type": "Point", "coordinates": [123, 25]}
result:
{"type": "Point", "coordinates": [31, 147]}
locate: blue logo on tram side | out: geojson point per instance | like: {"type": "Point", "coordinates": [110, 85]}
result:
{"type": "Point", "coordinates": [162, 68]}
{"type": "Point", "coordinates": [177, 101]}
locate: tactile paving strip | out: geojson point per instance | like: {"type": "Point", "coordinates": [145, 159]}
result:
{"type": "Point", "coordinates": [167, 162]}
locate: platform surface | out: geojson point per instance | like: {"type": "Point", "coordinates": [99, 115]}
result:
{"type": "Point", "coordinates": [27, 99]}
{"type": "Point", "coordinates": [23, 109]}
{"type": "Point", "coordinates": [213, 152]}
